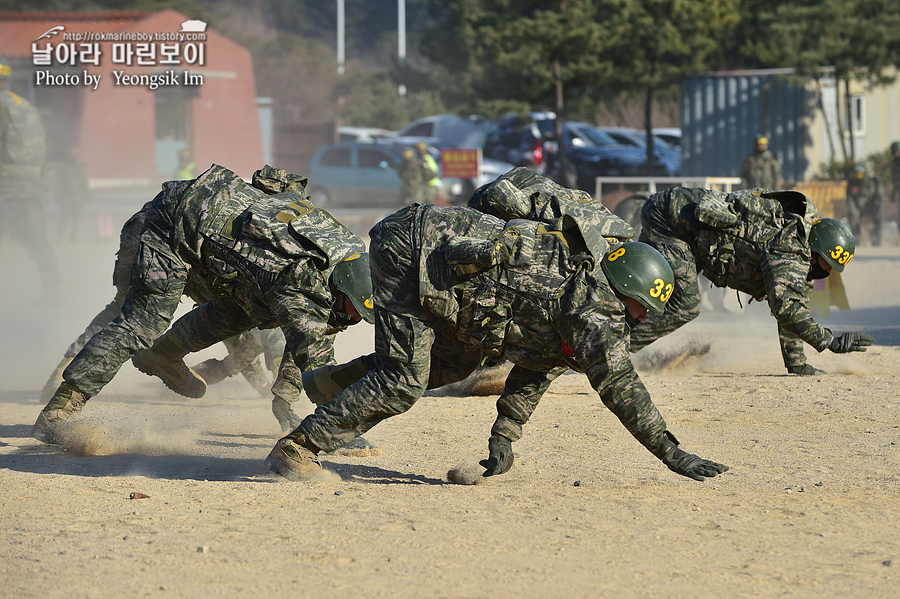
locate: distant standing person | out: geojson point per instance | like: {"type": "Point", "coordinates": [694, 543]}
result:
{"type": "Point", "coordinates": [761, 168]}
{"type": "Point", "coordinates": [22, 150]}
{"type": "Point", "coordinates": [186, 167]}
{"type": "Point", "coordinates": [895, 171]}
{"type": "Point", "coordinates": [865, 202]}
{"type": "Point", "coordinates": [69, 181]}
{"type": "Point", "coordinates": [412, 178]}
{"type": "Point", "coordinates": [432, 178]}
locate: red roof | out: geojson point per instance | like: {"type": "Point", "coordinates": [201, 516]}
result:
{"type": "Point", "coordinates": [19, 29]}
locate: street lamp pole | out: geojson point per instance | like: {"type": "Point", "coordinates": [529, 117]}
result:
{"type": "Point", "coordinates": [340, 36]}
{"type": "Point", "coordinates": [401, 40]}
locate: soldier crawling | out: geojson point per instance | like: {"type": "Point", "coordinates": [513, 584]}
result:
{"type": "Point", "coordinates": [243, 349]}
{"type": "Point", "coordinates": [769, 244]}
{"type": "Point", "coordinates": [269, 258]}
{"type": "Point", "coordinates": [454, 286]}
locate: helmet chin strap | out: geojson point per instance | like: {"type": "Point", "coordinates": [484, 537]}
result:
{"type": "Point", "coordinates": [816, 271]}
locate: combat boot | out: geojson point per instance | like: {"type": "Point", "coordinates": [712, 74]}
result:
{"type": "Point", "coordinates": [295, 458]}
{"type": "Point", "coordinates": [55, 380]}
{"type": "Point", "coordinates": [65, 402]}
{"type": "Point", "coordinates": [212, 371]}
{"type": "Point", "coordinates": [166, 361]}
{"type": "Point", "coordinates": [324, 383]}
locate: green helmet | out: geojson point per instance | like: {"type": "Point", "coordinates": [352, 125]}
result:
{"type": "Point", "coordinates": [351, 277]}
{"type": "Point", "coordinates": [833, 240]}
{"type": "Point", "coordinates": [638, 271]}
{"type": "Point", "coordinates": [5, 69]}
{"type": "Point", "coordinates": [895, 147]}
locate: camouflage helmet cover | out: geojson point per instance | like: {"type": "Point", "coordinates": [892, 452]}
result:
{"type": "Point", "coordinates": [639, 271]}
{"type": "Point", "coordinates": [351, 277]}
{"type": "Point", "coordinates": [833, 240]}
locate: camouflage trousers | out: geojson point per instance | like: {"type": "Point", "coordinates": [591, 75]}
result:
{"type": "Point", "coordinates": [413, 352]}
{"type": "Point", "coordinates": [158, 278]}
{"type": "Point", "coordinates": [684, 304]}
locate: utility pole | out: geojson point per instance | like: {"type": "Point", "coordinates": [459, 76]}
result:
{"type": "Point", "coordinates": [401, 40]}
{"type": "Point", "coordinates": [340, 37]}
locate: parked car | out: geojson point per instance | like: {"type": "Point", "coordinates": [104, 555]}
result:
{"type": "Point", "coordinates": [347, 133]}
{"type": "Point", "coordinates": [670, 135]}
{"type": "Point", "coordinates": [350, 173]}
{"type": "Point", "coordinates": [362, 174]}
{"type": "Point", "coordinates": [591, 152]}
{"type": "Point", "coordinates": [459, 132]}
{"type": "Point", "coordinates": [506, 136]}
{"type": "Point", "coordinates": [665, 153]}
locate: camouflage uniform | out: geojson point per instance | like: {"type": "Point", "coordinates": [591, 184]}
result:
{"type": "Point", "coordinates": [22, 150]}
{"type": "Point", "coordinates": [761, 170]}
{"type": "Point", "coordinates": [264, 251]}
{"type": "Point", "coordinates": [243, 349]}
{"type": "Point", "coordinates": [412, 179]}
{"type": "Point", "coordinates": [865, 202]}
{"type": "Point", "coordinates": [767, 257]}
{"type": "Point", "coordinates": [455, 286]}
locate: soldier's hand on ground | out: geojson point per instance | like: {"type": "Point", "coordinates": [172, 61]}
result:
{"type": "Point", "coordinates": [806, 370]}
{"type": "Point", "coordinates": [285, 414]}
{"type": "Point", "coordinates": [687, 464]}
{"type": "Point", "coordinates": [500, 458]}
{"type": "Point", "coordinates": [849, 342]}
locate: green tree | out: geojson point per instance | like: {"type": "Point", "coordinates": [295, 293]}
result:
{"type": "Point", "coordinates": [654, 42]}
{"type": "Point", "coordinates": [849, 40]}
{"type": "Point", "coordinates": [532, 51]}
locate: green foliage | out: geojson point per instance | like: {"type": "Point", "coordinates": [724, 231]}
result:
{"type": "Point", "coordinates": [876, 163]}
{"type": "Point", "coordinates": [372, 100]}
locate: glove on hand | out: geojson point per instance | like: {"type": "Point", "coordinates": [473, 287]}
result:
{"type": "Point", "coordinates": [805, 369]}
{"type": "Point", "coordinates": [285, 414]}
{"type": "Point", "coordinates": [687, 464]}
{"type": "Point", "coordinates": [849, 342]}
{"type": "Point", "coordinates": [500, 457]}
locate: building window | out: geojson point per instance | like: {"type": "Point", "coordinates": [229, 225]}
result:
{"type": "Point", "coordinates": [858, 112]}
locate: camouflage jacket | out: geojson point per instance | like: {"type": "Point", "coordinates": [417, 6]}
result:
{"type": "Point", "coordinates": [761, 170]}
{"type": "Point", "coordinates": [536, 305]}
{"type": "Point", "coordinates": [755, 244]}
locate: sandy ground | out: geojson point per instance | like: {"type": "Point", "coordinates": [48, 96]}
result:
{"type": "Point", "coordinates": [808, 509]}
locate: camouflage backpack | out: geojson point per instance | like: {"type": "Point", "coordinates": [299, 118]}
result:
{"type": "Point", "coordinates": [25, 138]}
{"type": "Point", "coordinates": [584, 224]}
{"type": "Point", "coordinates": [732, 227]}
